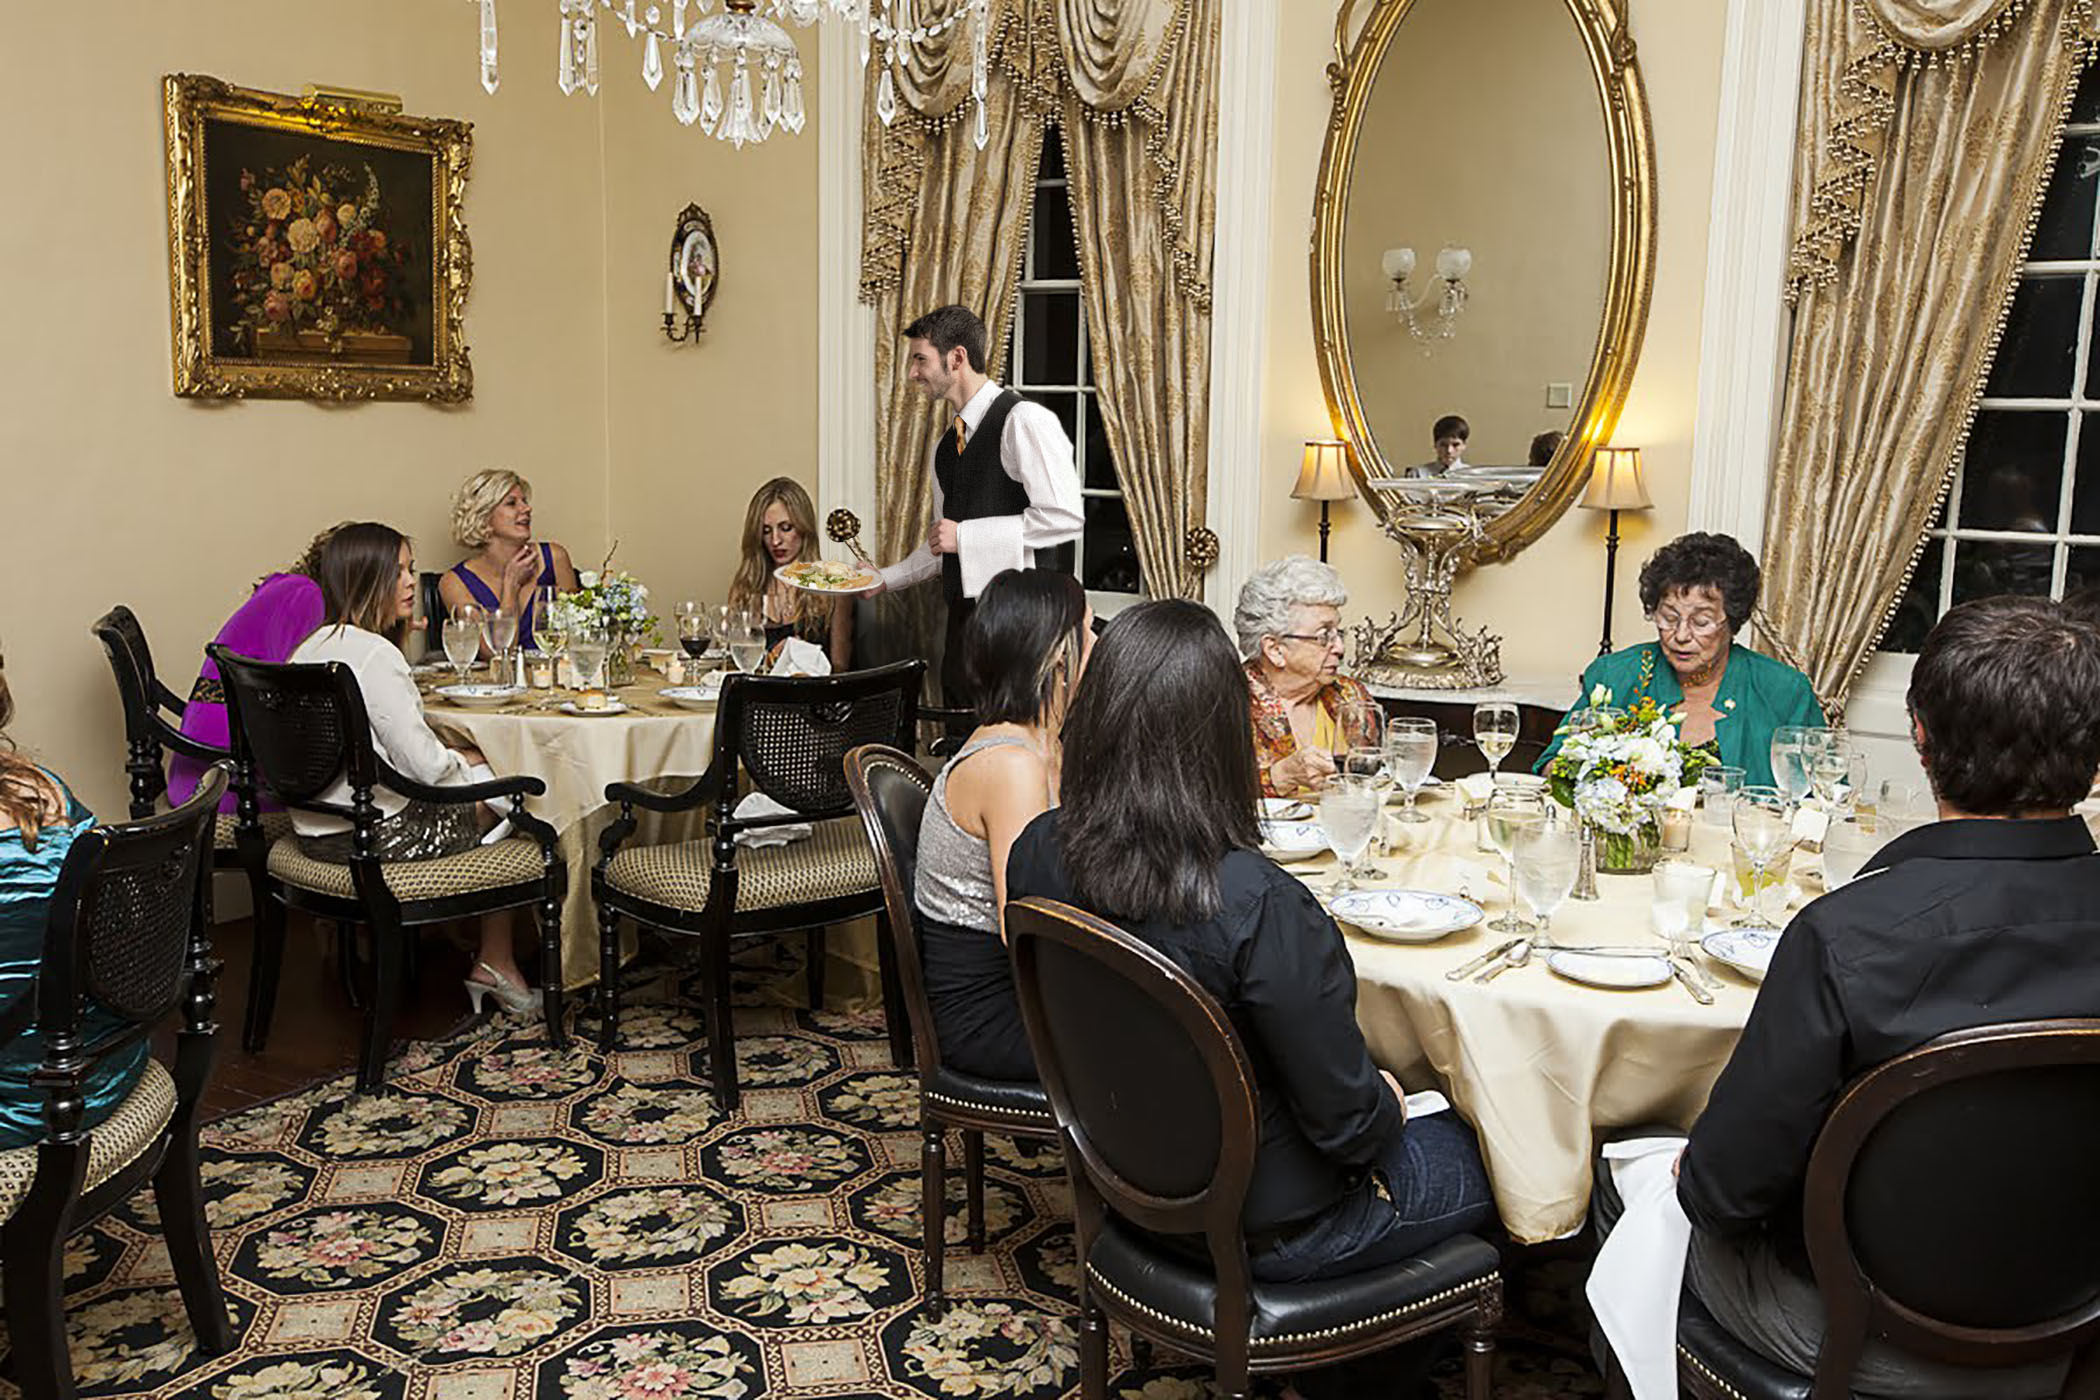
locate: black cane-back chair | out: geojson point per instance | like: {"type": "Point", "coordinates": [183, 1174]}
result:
{"type": "Point", "coordinates": [126, 932]}
{"type": "Point", "coordinates": [149, 736]}
{"type": "Point", "coordinates": [296, 730]}
{"type": "Point", "coordinates": [890, 791]}
{"type": "Point", "coordinates": [1155, 1106]}
{"type": "Point", "coordinates": [786, 737]}
{"type": "Point", "coordinates": [1948, 1212]}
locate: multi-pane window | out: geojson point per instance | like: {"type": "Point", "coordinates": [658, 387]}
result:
{"type": "Point", "coordinates": [1049, 360]}
{"type": "Point", "coordinates": [2023, 515]}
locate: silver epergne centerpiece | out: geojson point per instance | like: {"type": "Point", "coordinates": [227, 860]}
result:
{"type": "Point", "coordinates": [1437, 525]}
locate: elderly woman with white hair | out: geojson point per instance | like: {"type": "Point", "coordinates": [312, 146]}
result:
{"type": "Point", "coordinates": [1288, 620]}
{"type": "Point", "coordinates": [492, 515]}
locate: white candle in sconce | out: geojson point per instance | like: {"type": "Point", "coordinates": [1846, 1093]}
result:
{"type": "Point", "coordinates": [670, 293]}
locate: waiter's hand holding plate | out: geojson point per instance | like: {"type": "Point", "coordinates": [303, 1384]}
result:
{"type": "Point", "coordinates": [828, 576]}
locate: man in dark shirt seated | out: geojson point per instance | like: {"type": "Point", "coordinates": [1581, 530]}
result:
{"type": "Point", "coordinates": [1990, 915]}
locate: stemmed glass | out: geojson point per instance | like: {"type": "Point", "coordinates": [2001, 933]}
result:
{"type": "Point", "coordinates": [500, 630]}
{"type": "Point", "coordinates": [1367, 764]}
{"type": "Point", "coordinates": [462, 644]}
{"type": "Point", "coordinates": [1348, 811]}
{"type": "Point", "coordinates": [1682, 890]}
{"type": "Point", "coordinates": [1831, 773]}
{"type": "Point", "coordinates": [550, 627]}
{"type": "Point", "coordinates": [587, 651]}
{"type": "Point", "coordinates": [1764, 826]}
{"type": "Point", "coordinates": [1410, 752]}
{"type": "Point", "coordinates": [745, 639]}
{"type": "Point", "coordinates": [693, 629]}
{"type": "Point", "coordinates": [1511, 813]}
{"type": "Point", "coordinates": [1495, 730]}
{"type": "Point", "coordinates": [1790, 762]}
{"type": "Point", "coordinates": [1544, 862]}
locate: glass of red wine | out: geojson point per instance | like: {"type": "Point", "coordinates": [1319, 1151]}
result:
{"type": "Point", "coordinates": [693, 631]}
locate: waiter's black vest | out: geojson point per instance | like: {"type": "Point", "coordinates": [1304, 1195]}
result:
{"type": "Point", "coordinates": [974, 483]}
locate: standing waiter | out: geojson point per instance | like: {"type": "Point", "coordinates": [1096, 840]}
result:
{"type": "Point", "coordinates": [1004, 485]}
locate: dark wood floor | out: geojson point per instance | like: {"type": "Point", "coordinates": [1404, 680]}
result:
{"type": "Point", "coordinates": [316, 1031]}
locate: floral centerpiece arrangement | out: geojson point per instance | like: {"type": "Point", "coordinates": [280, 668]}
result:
{"type": "Point", "coordinates": [1617, 769]}
{"type": "Point", "coordinates": [616, 603]}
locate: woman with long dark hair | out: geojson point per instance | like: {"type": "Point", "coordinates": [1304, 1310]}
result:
{"type": "Point", "coordinates": [367, 574]}
{"type": "Point", "coordinates": [1157, 833]}
{"type": "Point", "coordinates": [1024, 648]}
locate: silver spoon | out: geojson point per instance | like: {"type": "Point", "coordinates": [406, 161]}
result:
{"type": "Point", "coordinates": [1515, 957]}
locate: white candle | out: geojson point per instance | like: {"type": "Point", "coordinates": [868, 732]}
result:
{"type": "Point", "coordinates": [670, 293]}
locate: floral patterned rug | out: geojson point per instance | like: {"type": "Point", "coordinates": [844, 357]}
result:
{"type": "Point", "coordinates": [513, 1224]}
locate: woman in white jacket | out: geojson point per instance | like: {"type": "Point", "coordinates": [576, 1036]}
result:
{"type": "Point", "coordinates": [367, 574]}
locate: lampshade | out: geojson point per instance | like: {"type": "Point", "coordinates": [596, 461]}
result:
{"type": "Point", "coordinates": [1397, 263]}
{"type": "Point", "coordinates": [1325, 473]}
{"type": "Point", "coordinates": [1615, 481]}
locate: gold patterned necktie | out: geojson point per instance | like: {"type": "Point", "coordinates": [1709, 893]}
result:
{"type": "Point", "coordinates": [962, 433]}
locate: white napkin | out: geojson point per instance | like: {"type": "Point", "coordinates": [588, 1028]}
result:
{"type": "Point", "coordinates": [1424, 1103]}
{"type": "Point", "coordinates": [757, 804]}
{"type": "Point", "coordinates": [1810, 824]}
{"type": "Point", "coordinates": [1683, 800]}
{"type": "Point", "coordinates": [800, 658]}
{"type": "Point", "coordinates": [1476, 788]}
{"type": "Point", "coordinates": [1639, 1272]}
{"type": "Point", "coordinates": [482, 773]}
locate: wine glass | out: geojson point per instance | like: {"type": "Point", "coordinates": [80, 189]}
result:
{"type": "Point", "coordinates": [693, 629]}
{"type": "Point", "coordinates": [462, 645]}
{"type": "Point", "coordinates": [1682, 889]}
{"type": "Point", "coordinates": [1367, 763]}
{"type": "Point", "coordinates": [1495, 730]}
{"type": "Point", "coordinates": [1410, 752]}
{"type": "Point", "coordinates": [1511, 812]}
{"type": "Point", "coordinates": [500, 630]}
{"type": "Point", "coordinates": [1717, 789]}
{"type": "Point", "coordinates": [1544, 862]}
{"type": "Point", "coordinates": [1356, 722]}
{"type": "Point", "coordinates": [550, 627]}
{"type": "Point", "coordinates": [1764, 826]}
{"type": "Point", "coordinates": [588, 647]}
{"type": "Point", "coordinates": [1830, 775]}
{"type": "Point", "coordinates": [1790, 761]}
{"type": "Point", "coordinates": [1348, 811]}
{"type": "Point", "coordinates": [745, 639]}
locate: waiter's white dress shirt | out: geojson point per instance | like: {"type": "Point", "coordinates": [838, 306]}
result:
{"type": "Point", "coordinates": [1036, 453]}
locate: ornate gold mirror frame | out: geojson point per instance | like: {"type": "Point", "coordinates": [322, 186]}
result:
{"type": "Point", "coordinates": [1629, 283]}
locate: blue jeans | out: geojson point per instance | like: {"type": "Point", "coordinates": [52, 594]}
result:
{"type": "Point", "coordinates": [1427, 1185]}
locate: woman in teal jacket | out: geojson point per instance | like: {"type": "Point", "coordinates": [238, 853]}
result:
{"type": "Point", "coordinates": [1698, 590]}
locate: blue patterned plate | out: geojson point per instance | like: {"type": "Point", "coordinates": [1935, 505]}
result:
{"type": "Point", "coordinates": [1405, 916]}
{"type": "Point", "coordinates": [480, 694]}
{"type": "Point", "coordinates": [1744, 950]}
{"type": "Point", "coordinates": [1285, 841]}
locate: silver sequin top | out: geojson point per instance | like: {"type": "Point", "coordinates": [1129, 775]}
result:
{"type": "Point", "coordinates": [954, 880]}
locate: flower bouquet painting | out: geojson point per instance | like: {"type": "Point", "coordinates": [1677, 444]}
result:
{"type": "Point", "coordinates": [320, 264]}
{"type": "Point", "coordinates": [1618, 768]}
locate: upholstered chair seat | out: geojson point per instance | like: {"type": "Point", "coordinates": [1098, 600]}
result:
{"type": "Point", "coordinates": [515, 861]}
{"type": "Point", "coordinates": [114, 1143]}
{"type": "Point", "coordinates": [833, 862]}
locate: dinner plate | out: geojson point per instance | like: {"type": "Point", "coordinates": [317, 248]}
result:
{"type": "Point", "coordinates": [1405, 916]}
{"type": "Point", "coordinates": [1610, 970]}
{"type": "Point", "coordinates": [612, 707]}
{"type": "Point", "coordinates": [1744, 950]}
{"type": "Point", "coordinates": [797, 575]}
{"type": "Point", "coordinates": [1288, 809]}
{"type": "Point", "coordinates": [1285, 841]}
{"type": "Point", "coordinates": [480, 695]}
{"type": "Point", "coordinates": [693, 697]}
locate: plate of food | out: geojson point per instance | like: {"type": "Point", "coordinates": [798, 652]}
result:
{"type": "Point", "coordinates": [610, 707]}
{"type": "Point", "coordinates": [477, 696]}
{"type": "Point", "coordinates": [826, 576]}
{"type": "Point", "coordinates": [1405, 916]}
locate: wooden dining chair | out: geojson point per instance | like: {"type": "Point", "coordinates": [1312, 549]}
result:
{"type": "Point", "coordinates": [128, 931]}
{"type": "Point", "coordinates": [786, 737]}
{"type": "Point", "coordinates": [1170, 1152]}
{"type": "Point", "coordinates": [890, 792]}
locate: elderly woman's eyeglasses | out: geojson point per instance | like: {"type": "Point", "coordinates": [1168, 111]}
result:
{"type": "Point", "coordinates": [1325, 637]}
{"type": "Point", "coordinates": [1697, 624]}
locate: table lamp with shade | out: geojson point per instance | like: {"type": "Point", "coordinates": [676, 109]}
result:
{"type": "Point", "coordinates": [1615, 485]}
{"type": "Point", "coordinates": [1324, 477]}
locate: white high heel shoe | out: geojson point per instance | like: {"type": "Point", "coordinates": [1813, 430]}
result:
{"type": "Point", "coordinates": [517, 1000]}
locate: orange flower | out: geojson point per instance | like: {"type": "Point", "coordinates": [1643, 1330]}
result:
{"type": "Point", "coordinates": [277, 203]}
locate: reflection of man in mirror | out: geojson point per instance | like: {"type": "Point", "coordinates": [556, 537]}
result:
{"type": "Point", "coordinates": [1450, 433]}
{"type": "Point", "coordinates": [1543, 447]}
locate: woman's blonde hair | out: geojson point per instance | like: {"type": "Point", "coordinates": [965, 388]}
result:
{"type": "Point", "coordinates": [359, 577]}
{"type": "Point", "coordinates": [812, 611]}
{"type": "Point", "coordinates": [478, 499]}
{"type": "Point", "coordinates": [28, 798]}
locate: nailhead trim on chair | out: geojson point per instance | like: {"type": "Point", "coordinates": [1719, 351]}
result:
{"type": "Point", "coordinates": [114, 1143]}
{"type": "Point", "coordinates": [1293, 1338]}
{"type": "Point", "coordinates": [1702, 1368]}
{"type": "Point", "coordinates": [1019, 1115]}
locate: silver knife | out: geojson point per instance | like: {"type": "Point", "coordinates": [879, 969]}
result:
{"type": "Point", "coordinates": [1467, 969]}
{"type": "Point", "coordinates": [1684, 979]}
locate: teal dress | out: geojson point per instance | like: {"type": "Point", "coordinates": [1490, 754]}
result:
{"type": "Point", "coordinates": [1757, 695]}
{"type": "Point", "coordinates": [28, 878]}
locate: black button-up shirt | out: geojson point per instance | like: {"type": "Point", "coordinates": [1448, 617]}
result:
{"type": "Point", "coordinates": [1954, 925]}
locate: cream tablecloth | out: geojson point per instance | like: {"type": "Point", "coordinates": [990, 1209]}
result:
{"type": "Point", "coordinates": [1536, 1063]}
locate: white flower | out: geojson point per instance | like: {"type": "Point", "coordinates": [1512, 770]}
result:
{"type": "Point", "coordinates": [588, 578]}
{"type": "Point", "coordinates": [1599, 694]}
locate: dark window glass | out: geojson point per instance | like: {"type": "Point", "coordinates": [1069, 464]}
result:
{"type": "Point", "coordinates": [1053, 162]}
{"type": "Point", "coordinates": [2081, 570]}
{"type": "Point", "coordinates": [1921, 603]}
{"type": "Point", "coordinates": [2085, 107]}
{"type": "Point", "coordinates": [1063, 403]}
{"type": "Point", "coordinates": [2064, 229]}
{"type": "Point", "coordinates": [2085, 487]}
{"type": "Point", "coordinates": [1111, 553]}
{"type": "Point", "coordinates": [2012, 474]}
{"type": "Point", "coordinates": [1987, 568]}
{"type": "Point", "coordinates": [1050, 337]}
{"type": "Point", "coordinates": [1100, 461]}
{"type": "Point", "coordinates": [2037, 352]}
{"type": "Point", "coordinates": [1056, 254]}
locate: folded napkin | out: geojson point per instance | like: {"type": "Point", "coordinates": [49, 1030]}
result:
{"type": "Point", "coordinates": [1476, 788]}
{"type": "Point", "coordinates": [482, 773]}
{"type": "Point", "coordinates": [1639, 1272]}
{"type": "Point", "coordinates": [1683, 800]}
{"type": "Point", "coordinates": [1424, 1103]}
{"type": "Point", "coordinates": [799, 658]}
{"type": "Point", "coordinates": [757, 804]}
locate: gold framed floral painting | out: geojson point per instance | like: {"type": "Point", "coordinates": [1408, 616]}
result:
{"type": "Point", "coordinates": [317, 246]}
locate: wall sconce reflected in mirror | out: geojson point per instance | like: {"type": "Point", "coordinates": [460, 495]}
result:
{"type": "Point", "coordinates": [1452, 265]}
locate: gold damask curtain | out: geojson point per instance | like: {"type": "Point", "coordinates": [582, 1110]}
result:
{"type": "Point", "coordinates": [1928, 130]}
{"type": "Point", "coordinates": [1132, 83]}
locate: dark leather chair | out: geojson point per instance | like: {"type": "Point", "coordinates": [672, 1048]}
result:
{"type": "Point", "coordinates": [787, 737]}
{"type": "Point", "coordinates": [296, 730]}
{"type": "Point", "coordinates": [890, 792]}
{"type": "Point", "coordinates": [432, 604]}
{"type": "Point", "coordinates": [129, 928]}
{"type": "Point", "coordinates": [1947, 1211]}
{"type": "Point", "coordinates": [1168, 1149]}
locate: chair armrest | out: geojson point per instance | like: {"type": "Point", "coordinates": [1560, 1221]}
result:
{"type": "Point", "coordinates": [702, 791]}
{"type": "Point", "coordinates": [175, 741]}
{"type": "Point", "coordinates": [459, 794]}
{"type": "Point", "coordinates": [166, 699]}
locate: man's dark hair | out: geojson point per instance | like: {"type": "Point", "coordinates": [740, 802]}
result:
{"type": "Point", "coordinates": [1543, 446]}
{"type": "Point", "coordinates": [1158, 782]}
{"type": "Point", "coordinates": [1450, 426]}
{"type": "Point", "coordinates": [1026, 621]}
{"type": "Point", "coordinates": [2007, 695]}
{"type": "Point", "coordinates": [1701, 560]}
{"type": "Point", "coordinates": [946, 327]}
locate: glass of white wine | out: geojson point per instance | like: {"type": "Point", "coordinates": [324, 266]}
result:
{"type": "Point", "coordinates": [1410, 752]}
{"type": "Point", "coordinates": [1495, 730]}
{"type": "Point", "coordinates": [1512, 812]}
{"type": "Point", "coordinates": [1764, 826]}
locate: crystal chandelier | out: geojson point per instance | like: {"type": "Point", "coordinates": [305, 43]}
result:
{"type": "Point", "coordinates": [763, 77]}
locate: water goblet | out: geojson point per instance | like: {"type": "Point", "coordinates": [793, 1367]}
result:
{"type": "Point", "coordinates": [1544, 863]}
{"type": "Point", "coordinates": [462, 645]}
{"type": "Point", "coordinates": [1764, 827]}
{"type": "Point", "coordinates": [1410, 752]}
{"type": "Point", "coordinates": [1495, 730]}
{"type": "Point", "coordinates": [500, 630]}
{"type": "Point", "coordinates": [1512, 811]}
{"type": "Point", "coordinates": [1790, 762]}
{"type": "Point", "coordinates": [1682, 890]}
{"type": "Point", "coordinates": [1348, 811]}
{"type": "Point", "coordinates": [1367, 763]}
{"type": "Point", "coordinates": [745, 638]}
{"type": "Point", "coordinates": [588, 647]}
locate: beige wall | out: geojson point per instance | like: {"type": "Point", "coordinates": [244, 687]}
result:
{"type": "Point", "coordinates": [116, 491]}
{"type": "Point", "coordinates": [1507, 157]}
{"type": "Point", "coordinates": [1546, 603]}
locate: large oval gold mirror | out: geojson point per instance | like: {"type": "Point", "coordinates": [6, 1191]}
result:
{"type": "Point", "coordinates": [1483, 250]}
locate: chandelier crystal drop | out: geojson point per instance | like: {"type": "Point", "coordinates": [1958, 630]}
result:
{"type": "Point", "coordinates": [738, 74]}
